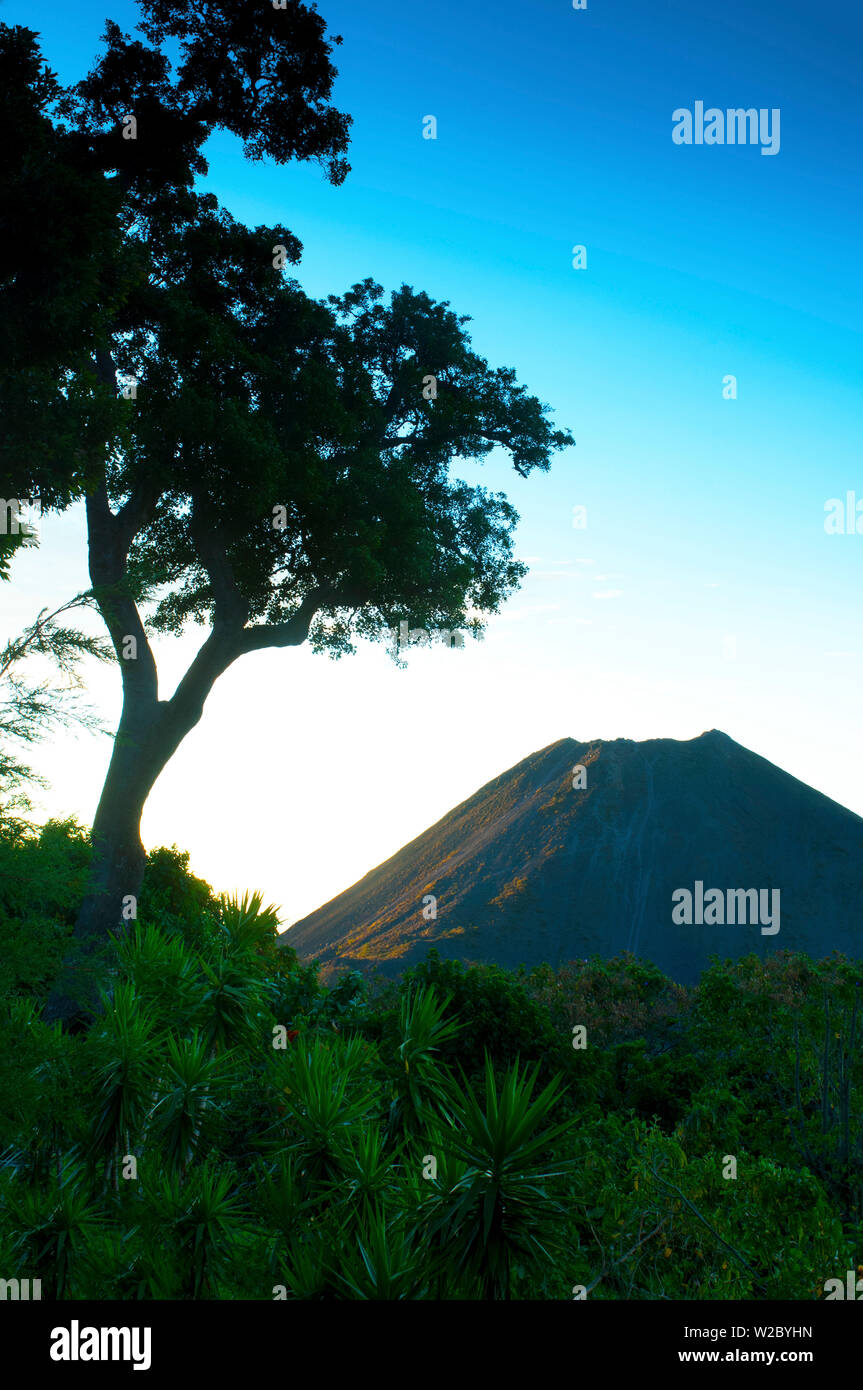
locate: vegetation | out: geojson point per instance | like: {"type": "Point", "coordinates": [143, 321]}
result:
{"type": "Point", "coordinates": [212, 1122]}
{"type": "Point", "coordinates": [275, 468]}
{"type": "Point", "coordinates": [31, 708]}
{"type": "Point", "coordinates": [228, 1128]}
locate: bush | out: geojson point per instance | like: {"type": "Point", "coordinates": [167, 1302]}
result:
{"type": "Point", "coordinates": [228, 1126]}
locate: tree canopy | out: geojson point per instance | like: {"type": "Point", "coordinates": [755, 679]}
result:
{"type": "Point", "coordinates": [277, 467]}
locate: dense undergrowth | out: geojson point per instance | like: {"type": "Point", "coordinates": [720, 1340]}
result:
{"type": "Point", "coordinates": [229, 1128]}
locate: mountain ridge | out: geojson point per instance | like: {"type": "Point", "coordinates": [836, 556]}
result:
{"type": "Point", "coordinates": [531, 867]}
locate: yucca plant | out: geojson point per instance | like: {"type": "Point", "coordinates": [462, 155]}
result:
{"type": "Point", "coordinates": [51, 1226]}
{"type": "Point", "coordinates": [423, 1029]}
{"type": "Point", "coordinates": [232, 1009]}
{"type": "Point", "coordinates": [430, 1182]}
{"type": "Point", "coordinates": [368, 1175]}
{"type": "Point", "coordinates": [246, 923]}
{"type": "Point", "coordinates": [385, 1260]}
{"type": "Point", "coordinates": [234, 1004]}
{"type": "Point", "coordinates": [324, 1099]}
{"type": "Point", "coordinates": [201, 1222]}
{"type": "Point", "coordinates": [117, 1264]}
{"type": "Point", "coordinates": [164, 973]}
{"type": "Point", "coordinates": [501, 1213]}
{"type": "Point", "coordinates": [41, 1092]}
{"type": "Point", "coordinates": [122, 1058]}
{"type": "Point", "coordinates": [191, 1095]}
{"type": "Point", "coordinates": [307, 1273]}
{"type": "Point", "coordinates": [283, 1204]}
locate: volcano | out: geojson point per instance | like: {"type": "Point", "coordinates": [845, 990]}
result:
{"type": "Point", "coordinates": [590, 849]}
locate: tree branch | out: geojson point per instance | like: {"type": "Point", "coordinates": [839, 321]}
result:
{"type": "Point", "coordinates": [223, 647]}
{"type": "Point", "coordinates": [607, 1268]}
{"type": "Point", "coordinates": [108, 555]}
{"type": "Point", "coordinates": [231, 611]}
{"type": "Point", "coordinates": [712, 1229]}
{"type": "Point", "coordinates": [296, 629]}
{"type": "Point", "coordinates": [136, 512]}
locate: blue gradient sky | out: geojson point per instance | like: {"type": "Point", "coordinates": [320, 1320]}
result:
{"type": "Point", "coordinates": [704, 591]}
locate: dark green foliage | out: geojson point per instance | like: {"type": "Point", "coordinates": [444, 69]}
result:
{"type": "Point", "coordinates": [441, 1141]}
{"type": "Point", "coordinates": [177, 899]}
{"type": "Point", "coordinates": [42, 877]}
{"type": "Point", "coordinates": [498, 1014]}
{"type": "Point", "coordinates": [498, 1211]}
{"type": "Point", "coordinates": [344, 515]}
{"type": "Point", "coordinates": [77, 196]}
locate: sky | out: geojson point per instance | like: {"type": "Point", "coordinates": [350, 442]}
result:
{"type": "Point", "coordinates": [703, 591]}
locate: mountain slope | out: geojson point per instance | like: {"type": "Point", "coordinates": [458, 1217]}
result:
{"type": "Point", "coordinates": [529, 869]}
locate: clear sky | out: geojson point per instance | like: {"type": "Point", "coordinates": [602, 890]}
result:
{"type": "Point", "coordinates": [703, 592]}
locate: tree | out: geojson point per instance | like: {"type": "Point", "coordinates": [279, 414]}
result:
{"type": "Point", "coordinates": [90, 172]}
{"type": "Point", "coordinates": [281, 470]}
{"type": "Point", "coordinates": [29, 710]}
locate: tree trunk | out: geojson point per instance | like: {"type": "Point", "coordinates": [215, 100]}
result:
{"type": "Point", "coordinates": [144, 743]}
{"type": "Point", "coordinates": [151, 730]}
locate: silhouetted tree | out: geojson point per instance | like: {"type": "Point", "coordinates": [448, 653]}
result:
{"type": "Point", "coordinates": [280, 468]}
